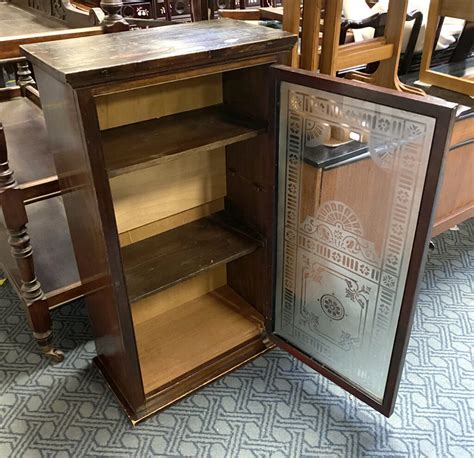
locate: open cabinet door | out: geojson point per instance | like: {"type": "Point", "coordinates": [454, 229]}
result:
{"type": "Point", "coordinates": [358, 170]}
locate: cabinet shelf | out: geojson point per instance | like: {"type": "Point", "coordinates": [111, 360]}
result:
{"type": "Point", "coordinates": [178, 341]}
{"type": "Point", "coordinates": [159, 262]}
{"type": "Point", "coordinates": [136, 146]}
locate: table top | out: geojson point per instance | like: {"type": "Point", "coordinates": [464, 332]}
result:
{"type": "Point", "coordinates": [112, 57]}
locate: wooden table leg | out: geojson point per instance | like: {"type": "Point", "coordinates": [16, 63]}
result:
{"type": "Point", "coordinates": [32, 295]}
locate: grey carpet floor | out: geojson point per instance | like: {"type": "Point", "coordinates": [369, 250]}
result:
{"type": "Point", "coordinates": [274, 406]}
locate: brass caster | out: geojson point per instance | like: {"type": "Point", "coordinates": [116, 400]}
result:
{"type": "Point", "coordinates": [54, 354]}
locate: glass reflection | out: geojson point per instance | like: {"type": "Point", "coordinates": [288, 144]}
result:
{"type": "Point", "coordinates": [351, 176]}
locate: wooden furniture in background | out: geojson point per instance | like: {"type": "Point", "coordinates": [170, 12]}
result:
{"type": "Point", "coordinates": [167, 162]}
{"type": "Point", "coordinates": [456, 198]}
{"type": "Point", "coordinates": [35, 246]}
{"type": "Point", "coordinates": [462, 9]}
{"type": "Point", "coordinates": [378, 22]}
{"type": "Point", "coordinates": [385, 49]}
{"type": "Point", "coordinates": [47, 276]}
{"type": "Point", "coordinates": [456, 201]}
{"type": "Point", "coordinates": [62, 13]}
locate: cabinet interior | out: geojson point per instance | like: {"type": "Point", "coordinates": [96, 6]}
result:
{"type": "Point", "coordinates": [191, 183]}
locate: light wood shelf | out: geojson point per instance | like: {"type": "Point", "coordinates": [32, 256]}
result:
{"type": "Point", "coordinates": [140, 145]}
{"type": "Point", "coordinates": [164, 260]}
{"type": "Point", "coordinates": [178, 341]}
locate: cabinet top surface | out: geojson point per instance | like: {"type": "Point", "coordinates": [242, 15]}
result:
{"type": "Point", "coordinates": [111, 57]}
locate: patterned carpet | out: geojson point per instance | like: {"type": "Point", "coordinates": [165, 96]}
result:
{"type": "Point", "coordinates": [272, 407]}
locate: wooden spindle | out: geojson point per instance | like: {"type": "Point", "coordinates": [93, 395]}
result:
{"type": "Point", "coordinates": [24, 74]}
{"type": "Point", "coordinates": [32, 295]}
{"type": "Point", "coordinates": [6, 174]}
{"type": "Point", "coordinates": [113, 20]}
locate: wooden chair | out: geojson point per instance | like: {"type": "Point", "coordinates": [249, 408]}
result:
{"type": "Point", "coordinates": [462, 9]}
{"type": "Point", "coordinates": [385, 49]}
{"type": "Point", "coordinates": [378, 22]}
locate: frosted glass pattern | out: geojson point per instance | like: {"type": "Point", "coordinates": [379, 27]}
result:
{"type": "Point", "coordinates": [346, 230]}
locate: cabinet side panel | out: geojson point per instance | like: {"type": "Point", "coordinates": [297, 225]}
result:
{"type": "Point", "coordinates": [251, 184]}
{"type": "Point", "coordinates": [86, 195]}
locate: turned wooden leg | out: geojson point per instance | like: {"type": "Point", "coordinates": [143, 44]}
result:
{"type": "Point", "coordinates": [24, 74]}
{"type": "Point", "coordinates": [33, 296]}
{"type": "Point", "coordinates": [6, 175]}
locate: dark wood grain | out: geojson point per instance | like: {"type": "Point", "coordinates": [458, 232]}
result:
{"type": "Point", "coordinates": [251, 183]}
{"type": "Point", "coordinates": [147, 143]}
{"type": "Point", "coordinates": [99, 60]}
{"type": "Point", "coordinates": [86, 195]}
{"type": "Point", "coordinates": [68, 98]}
{"type": "Point", "coordinates": [171, 257]}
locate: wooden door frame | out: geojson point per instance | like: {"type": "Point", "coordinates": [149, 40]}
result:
{"type": "Point", "coordinates": [444, 114]}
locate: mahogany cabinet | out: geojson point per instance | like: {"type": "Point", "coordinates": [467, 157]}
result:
{"type": "Point", "coordinates": [215, 211]}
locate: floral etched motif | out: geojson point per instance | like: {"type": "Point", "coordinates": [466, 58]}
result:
{"type": "Point", "coordinates": [364, 270]}
{"type": "Point", "coordinates": [357, 294]}
{"type": "Point", "coordinates": [397, 229]}
{"type": "Point", "coordinates": [290, 235]}
{"type": "Point", "coordinates": [383, 124]}
{"type": "Point", "coordinates": [388, 281]}
{"type": "Point", "coordinates": [347, 341]}
{"type": "Point", "coordinates": [332, 307]}
{"type": "Point", "coordinates": [316, 274]}
{"type": "Point", "coordinates": [409, 160]}
{"type": "Point", "coordinates": [339, 214]}
{"type": "Point", "coordinates": [294, 127]}
{"type": "Point", "coordinates": [403, 196]}
{"type": "Point", "coordinates": [392, 259]}
{"type": "Point", "coordinates": [291, 216]}
{"type": "Point", "coordinates": [413, 131]}
{"type": "Point", "coordinates": [337, 225]}
{"type": "Point", "coordinates": [310, 319]}
{"type": "Point", "coordinates": [292, 188]}
{"type": "Point", "coordinates": [293, 159]}
{"type": "Point", "coordinates": [296, 102]}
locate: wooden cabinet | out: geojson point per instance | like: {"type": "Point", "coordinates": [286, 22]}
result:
{"type": "Point", "coordinates": [456, 200]}
{"type": "Point", "coordinates": [209, 221]}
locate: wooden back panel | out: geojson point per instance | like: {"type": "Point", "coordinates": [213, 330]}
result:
{"type": "Point", "coordinates": [190, 184]}
{"type": "Point", "coordinates": [144, 103]}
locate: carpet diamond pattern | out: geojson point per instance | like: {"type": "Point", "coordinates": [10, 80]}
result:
{"type": "Point", "coordinates": [273, 407]}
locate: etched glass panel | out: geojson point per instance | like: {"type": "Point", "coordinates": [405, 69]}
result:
{"type": "Point", "coordinates": [351, 176]}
